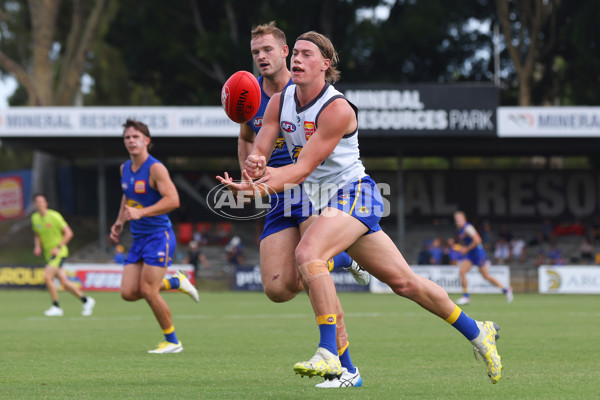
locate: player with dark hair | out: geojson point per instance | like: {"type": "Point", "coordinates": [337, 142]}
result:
{"type": "Point", "coordinates": [148, 196]}
{"type": "Point", "coordinates": [51, 234]}
{"type": "Point", "coordinates": [328, 158]}
{"type": "Point", "coordinates": [288, 217]}
{"type": "Point", "coordinates": [474, 254]}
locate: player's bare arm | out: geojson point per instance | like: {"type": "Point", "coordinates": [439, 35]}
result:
{"type": "Point", "coordinates": [117, 228]}
{"type": "Point", "coordinates": [245, 144]}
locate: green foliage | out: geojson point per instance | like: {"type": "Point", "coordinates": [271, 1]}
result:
{"type": "Point", "coordinates": [12, 158]}
{"type": "Point", "coordinates": [242, 346]}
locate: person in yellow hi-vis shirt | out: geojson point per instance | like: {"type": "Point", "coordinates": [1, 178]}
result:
{"type": "Point", "coordinates": [51, 233]}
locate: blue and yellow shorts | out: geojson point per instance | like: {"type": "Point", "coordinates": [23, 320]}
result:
{"type": "Point", "coordinates": [155, 249]}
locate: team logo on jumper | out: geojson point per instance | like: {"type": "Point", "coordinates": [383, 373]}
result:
{"type": "Point", "coordinates": [139, 187]}
{"type": "Point", "coordinates": [279, 143]}
{"type": "Point", "coordinates": [124, 185]}
{"type": "Point", "coordinates": [134, 204]}
{"type": "Point", "coordinates": [309, 129]}
{"type": "Point", "coordinates": [257, 122]}
{"type": "Point", "coordinates": [296, 153]}
{"type": "Point", "coordinates": [363, 210]}
{"type": "Point", "coordinates": [287, 126]}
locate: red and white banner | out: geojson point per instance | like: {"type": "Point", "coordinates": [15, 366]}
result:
{"type": "Point", "coordinates": [575, 279]}
{"type": "Point", "coordinates": [12, 203]}
{"type": "Point", "coordinates": [447, 277]}
{"type": "Point", "coordinates": [107, 277]}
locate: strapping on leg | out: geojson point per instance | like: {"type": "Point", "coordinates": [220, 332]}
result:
{"type": "Point", "coordinates": [314, 269]}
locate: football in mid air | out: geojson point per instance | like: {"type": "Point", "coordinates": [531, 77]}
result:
{"type": "Point", "coordinates": [240, 97]}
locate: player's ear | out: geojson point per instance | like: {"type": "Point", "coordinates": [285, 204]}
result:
{"type": "Point", "coordinates": [285, 51]}
{"type": "Point", "coordinates": [326, 64]}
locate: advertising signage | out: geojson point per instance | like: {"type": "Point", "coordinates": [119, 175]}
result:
{"type": "Point", "coordinates": [540, 122]}
{"type": "Point", "coordinates": [424, 110]}
{"type": "Point", "coordinates": [384, 110]}
{"type": "Point", "coordinates": [108, 121]}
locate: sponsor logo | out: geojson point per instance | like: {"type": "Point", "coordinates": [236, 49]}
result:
{"type": "Point", "coordinates": [330, 320]}
{"type": "Point", "coordinates": [522, 119]}
{"type": "Point", "coordinates": [139, 187]}
{"type": "Point", "coordinates": [554, 280]}
{"type": "Point", "coordinates": [288, 127]}
{"type": "Point", "coordinates": [245, 205]}
{"type": "Point", "coordinates": [242, 108]}
{"type": "Point", "coordinates": [309, 129]}
{"type": "Point", "coordinates": [11, 197]}
{"type": "Point", "coordinates": [101, 280]}
{"type": "Point", "coordinates": [21, 276]}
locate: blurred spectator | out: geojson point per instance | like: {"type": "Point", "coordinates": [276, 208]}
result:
{"type": "Point", "coordinates": [455, 251]}
{"type": "Point", "coordinates": [586, 251]}
{"type": "Point", "coordinates": [234, 252]}
{"type": "Point", "coordinates": [196, 257]}
{"type": "Point", "coordinates": [486, 234]}
{"type": "Point", "coordinates": [119, 256]}
{"type": "Point", "coordinates": [540, 258]}
{"type": "Point", "coordinates": [436, 251]}
{"type": "Point", "coordinates": [594, 232]}
{"type": "Point", "coordinates": [501, 251]}
{"type": "Point", "coordinates": [424, 257]}
{"type": "Point", "coordinates": [445, 260]}
{"type": "Point", "coordinates": [200, 238]}
{"type": "Point", "coordinates": [555, 256]}
{"type": "Point", "coordinates": [223, 232]}
{"type": "Point", "coordinates": [544, 234]}
{"type": "Point", "coordinates": [518, 250]}
{"type": "Point", "coordinates": [505, 233]}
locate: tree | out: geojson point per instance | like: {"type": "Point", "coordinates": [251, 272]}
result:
{"type": "Point", "coordinates": [185, 51]}
{"type": "Point", "coordinates": [46, 51]}
{"type": "Point", "coordinates": [530, 34]}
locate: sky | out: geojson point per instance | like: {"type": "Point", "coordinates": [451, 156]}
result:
{"type": "Point", "coordinates": [7, 86]}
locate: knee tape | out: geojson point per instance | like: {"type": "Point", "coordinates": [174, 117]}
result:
{"type": "Point", "coordinates": [313, 270]}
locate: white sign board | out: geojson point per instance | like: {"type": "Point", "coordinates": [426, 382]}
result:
{"type": "Point", "coordinates": [448, 278]}
{"type": "Point", "coordinates": [108, 121]}
{"type": "Point", "coordinates": [548, 121]}
{"type": "Point", "coordinates": [569, 279]}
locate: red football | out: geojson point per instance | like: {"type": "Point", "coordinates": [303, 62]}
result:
{"type": "Point", "coordinates": [240, 96]}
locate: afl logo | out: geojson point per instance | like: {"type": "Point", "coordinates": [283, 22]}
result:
{"type": "Point", "coordinates": [258, 122]}
{"type": "Point", "coordinates": [309, 129]}
{"type": "Point", "coordinates": [289, 127]}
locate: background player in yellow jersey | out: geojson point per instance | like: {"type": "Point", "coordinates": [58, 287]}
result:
{"type": "Point", "coordinates": [51, 234]}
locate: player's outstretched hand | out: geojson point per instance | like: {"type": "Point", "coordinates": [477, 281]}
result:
{"type": "Point", "coordinates": [245, 185]}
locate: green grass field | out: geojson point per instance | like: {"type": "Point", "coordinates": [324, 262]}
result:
{"type": "Point", "coordinates": [241, 346]}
